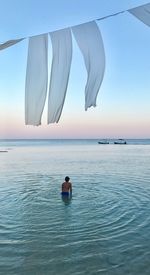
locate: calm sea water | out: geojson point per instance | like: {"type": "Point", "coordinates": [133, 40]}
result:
{"type": "Point", "coordinates": [103, 229]}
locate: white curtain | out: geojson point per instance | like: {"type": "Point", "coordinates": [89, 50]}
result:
{"type": "Point", "coordinates": [90, 42]}
{"type": "Point", "coordinates": [36, 79]}
{"type": "Point", "coordinates": [61, 62]}
{"type": "Point", "coordinates": [9, 43]}
{"type": "Point", "coordinates": [142, 13]}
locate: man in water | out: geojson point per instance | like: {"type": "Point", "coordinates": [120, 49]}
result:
{"type": "Point", "coordinates": [66, 187]}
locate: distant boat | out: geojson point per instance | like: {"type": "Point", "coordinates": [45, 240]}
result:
{"type": "Point", "coordinates": [103, 142]}
{"type": "Point", "coordinates": [120, 141]}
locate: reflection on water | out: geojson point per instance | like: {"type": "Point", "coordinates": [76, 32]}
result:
{"type": "Point", "coordinates": [103, 229]}
{"type": "Point", "coordinates": [66, 199]}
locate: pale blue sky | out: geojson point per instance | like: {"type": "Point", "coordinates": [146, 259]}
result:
{"type": "Point", "coordinates": [123, 103]}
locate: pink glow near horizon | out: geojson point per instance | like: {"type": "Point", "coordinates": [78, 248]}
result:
{"type": "Point", "coordinates": [73, 128]}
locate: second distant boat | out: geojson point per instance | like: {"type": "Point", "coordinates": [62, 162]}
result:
{"type": "Point", "coordinates": [120, 141]}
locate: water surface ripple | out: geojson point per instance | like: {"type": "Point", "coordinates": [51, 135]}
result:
{"type": "Point", "coordinates": [103, 229]}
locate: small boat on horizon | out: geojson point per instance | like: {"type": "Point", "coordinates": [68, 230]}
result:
{"type": "Point", "coordinates": [105, 141]}
{"type": "Point", "coordinates": [120, 141]}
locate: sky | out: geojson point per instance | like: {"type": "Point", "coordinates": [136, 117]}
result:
{"type": "Point", "coordinates": [123, 102]}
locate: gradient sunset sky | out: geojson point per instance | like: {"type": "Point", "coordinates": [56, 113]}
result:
{"type": "Point", "coordinates": [123, 102]}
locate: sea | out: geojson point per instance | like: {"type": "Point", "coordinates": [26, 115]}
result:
{"type": "Point", "coordinates": [104, 228]}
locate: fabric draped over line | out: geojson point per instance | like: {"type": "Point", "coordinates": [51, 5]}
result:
{"type": "Point", "coordinates": [60, 70]}
{"type": "Point", "coordinates": [36, 79]}
{"type": "Point", "coordinates": [90, 42]}
{"type": "Point", "coordinates": [142, 13]}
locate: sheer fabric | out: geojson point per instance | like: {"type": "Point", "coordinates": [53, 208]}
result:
{"type": "Point", "coordinates": [9, 43]}
{"type": "Point", "coordinates": [90, 42]}
{"type": "Point", "coordinates": [142, 13]}
{"type": "Point", "coordinates": [36, 79]}
{"type": "Point", "coordinates": [61, 62]}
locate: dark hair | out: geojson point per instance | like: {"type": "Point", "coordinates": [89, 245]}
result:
{"type": "Point", "coordinates": [67, 178]}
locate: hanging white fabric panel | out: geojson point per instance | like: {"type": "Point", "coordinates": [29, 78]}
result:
{"type": "Point", "coordinates": [9, 43]}
{"type": "Point", "coordinates": [36, 79]}
{"type": "Point", "coordinates": [142, 13]}
{"type": "Point", "coordinates": [61, 62]}
{"type": "Point", "coordinates": [90, 42]}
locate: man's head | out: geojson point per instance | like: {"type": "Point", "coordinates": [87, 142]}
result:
{"type": "Point", "coordinates": [67, 178]}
